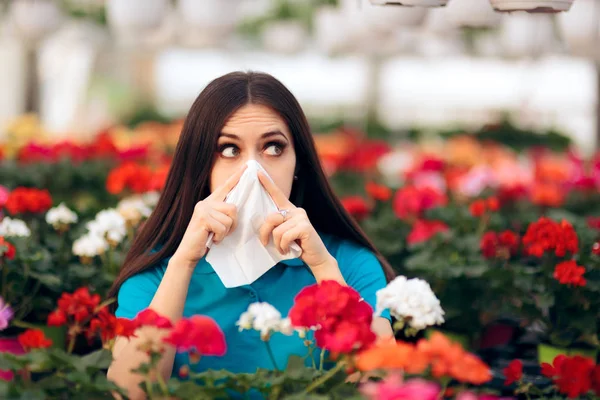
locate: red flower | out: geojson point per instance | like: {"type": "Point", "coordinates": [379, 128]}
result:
{"type": "Point", "coordinates": [79, 305]}
{"type": "Point", "coordinates": [356, 206]}
{"type": "Point", "coordinates": [596, 380]}
{"type": "Point", "coordinates": [593, 222]}
{"type": "Point", "coordinates": [200, 334]}
{"type": "Point", "coordinates": [9, 250]}
{"type": "Point", "coordinates": [378, 192]}
{"type": "Point", "coordinates": [34, 339]}
{"type": "Point", "coordinates": [423, 230]}
{"type": "Point", "coordinates": [513, 373]}
{"type": "Point", "coordinates": [571, 375]}
{"type": "Point", "coordinates": [481, 206]}
{"type": "Point", "coordinates": [596, 249]}
{"type": "Point", "coordinates": [569, 273]}
{"type": "Point", "coordinates": [129, 176]}
{"type": "Point", "coordinates": [511, 194]}
{"type": "Point", "coordinates": [28, 200]}
{"type": "Point", "coordinates": [342, 320]}
{"type": "Point", "coordinates": [501, 245]}
{"type": "Point", "coordinates": [109, 326]}
{"type": "Point", "coordinates": [366, 156]}
{"type": "Point", "coordinates": [150, 317]}
{"type": "Point", "coordinates": [546, 235]}
{"type": "Point", "coordinates": [411, 201]}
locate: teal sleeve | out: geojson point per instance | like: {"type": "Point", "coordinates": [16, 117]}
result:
{"type": "Point", "coordinates": [363, 272]}
{"type": "Point", "coordinates": [136, 293]}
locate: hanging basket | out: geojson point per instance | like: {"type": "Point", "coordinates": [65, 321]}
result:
{"type": "Point", "coordinates": [411, 3]}
{"type": "Point", "coordinates": [532, 6]}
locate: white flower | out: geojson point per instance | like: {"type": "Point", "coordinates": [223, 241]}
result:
{"type": "Point", "coordinates": [151, 199]}
{"type": "Point", "coordinates": [60, 216]}
{"type": "Point", "coordinates": [89, 245]}
{"type": "Point", "coordinates": [14, 227]}
{"type": "Point", "coordinates": [262, 317]}
{"type": "Point", "coordinates": [411, 301]}
{"type": "Point", "coordinates": [134, 209]}
{"type": "Point", "coordinates": [108, 224]}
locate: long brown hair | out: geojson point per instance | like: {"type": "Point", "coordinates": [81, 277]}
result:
{"type": "Point", "coordinates": [188, 181]}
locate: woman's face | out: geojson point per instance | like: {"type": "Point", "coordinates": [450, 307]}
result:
{"type": "Point", "coordinates": [255, 132]}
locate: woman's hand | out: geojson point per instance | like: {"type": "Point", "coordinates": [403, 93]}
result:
{"type": "Point", "coordinates": [294, 227]}
{"type": "Point", "coordinates": [211, 215]}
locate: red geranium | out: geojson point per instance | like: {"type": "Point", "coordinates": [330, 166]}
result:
{"type": "Point", "coordinates": [366, 155]}
{"type": "Point", "coordinates": [514, 372]}
{"type": "Point", "coordinates": [411, 201]}
{"type": "Point", "coordinates": [423, 230]}
{"type": "Point", "coordinates": [571, 375]}
{"type": "Point", "coordinates": [28, 200]}
{"type": "Point", "coordinates": [9, 250]}
{"type": "Point", "coordinates": [108, 326]}
{"type": "Point", "coordinates": [501, 245]}
{"type": "Point", "coordinates": [482, 206]}
{"type": "Point", "coordinates": [594, 223]}
{"type": "Point", "coordinates": [378, 192]}
{"type": "Point", "coordinates": [356, 206]}
{"type": "Point", "coordinates": [149, 317]}
{"type": "Point", "coordinates": [546, 235]}
{"type": "Point", "coordinates": [342, 320]}
{"type": "Point", "coordinates": [80, 306]}
{"type": "Point", "coordinates": [511, 194]}
{"type": "Point", "coordinates": [596, 380]}
{"type": "Point", "coordinates": [199, 334]}
{"type": "Point", "coordinates": [34, 339]}
{"type": "Point", "coordinates": [569, 273]}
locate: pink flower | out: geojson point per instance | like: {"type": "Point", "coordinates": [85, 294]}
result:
{"type": "Point", "coordinates": [4, 192]}
{"type": "Point", "coordinates": [393, 388]}
{"type": "Point", "coordinates": [473, 396]}
{"type": "Point", "coordinates": [476, 181]}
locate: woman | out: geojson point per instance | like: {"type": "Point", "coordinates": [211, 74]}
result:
{"type": "Point", "coordinates": [240, 117]}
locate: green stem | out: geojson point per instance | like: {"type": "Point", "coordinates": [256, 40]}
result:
{"type": "Point", "coordinates": [149, 388]}
{"type": "Point", "coordinates": [444, 387]}
{"type": "Point", "coordinates": [23, 324]}
{"type": "Point", "coordinates": [330, 374]}
{"type": "Point", "coordinates": [271, 356]}
{"type": "Point", "coordinates": [71, 344]}
{"type": "Point", "coordinates": [161, 383]}
{"type": "Point", "coordinates": [321, 360]}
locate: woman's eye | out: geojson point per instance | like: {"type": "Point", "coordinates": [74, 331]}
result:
{"type": "Point", "coordinates": [274, 149]}
{"type": "Point", "coordinates": [229, 151]}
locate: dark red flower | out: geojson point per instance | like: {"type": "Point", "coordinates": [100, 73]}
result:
{"type": "Point", "coordinates": [9, 252]}
{"type": "Point", "coordinates": [492, 204]}
{"type": "Point", "coordinates": [423, 230]}
{"type": "Point", "coordinates": [34, 339]}
{"type": "Point", "coordinates": [546, 235]}
{"type": "Point", "coordinates": [480, 207]}
{"type": "Point", "coordinates": [571, 375]}
{"type": "Point", "coordinates": [569, 273]}
{"type": "Point", "coordinates": [511, 194]}
{"type": "Point", "coordinates": [412, 201]}
{"type": "Point", "coordinates": [593, 222]}
{"type": "Point", "coordinates": [79, 306]}
{"type": "Point", "coordinates": [499, 245]}
{"type": "Point", "coordinates": [356, 206]}
{"type": "Point", "coordinates": [57, 318]}
{"type": "Point", "coordinates": [108, 326]}
{"type": "Point", "coordinates": [366, 156]}
{"type": "Point", "coordinates": [198, 333]}
{"type": "Point", "coordinates": [378, 192]}
{"type": "Point", "coordinates": [596, 380]}
{"type": "Point", "coordinates": [24, 200]}
{"type": "Point", "coordinates": [149, 317]}
{"type": "Point", "coordinates": [342, 320]}
{"type": "Point", "coordinates": [514, 372]}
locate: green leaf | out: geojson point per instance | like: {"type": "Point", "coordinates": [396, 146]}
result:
{"type": "Point", "coordinates": [295, 363]}
{"type": "Point", "coordinates": [52, 382]}
{"type": "Point", "coordinates": [33, 394]}
{"type": "Point", "coordinates": [50, 280]}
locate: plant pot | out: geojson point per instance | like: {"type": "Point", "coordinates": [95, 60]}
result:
{"type": "Point", "coordinates": [411, 3]}
{"type": "Point", "coordinates": [9, 345]}
{"type": "Point", "coordinates": [532, 6]}
{"type": "Point", "coordinates": [547, 353]}
{"type": "Point", "coordinates": [459, 338]}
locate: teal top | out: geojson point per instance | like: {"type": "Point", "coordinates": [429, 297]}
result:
{"type": "Point", "coordinates": [278, 287]}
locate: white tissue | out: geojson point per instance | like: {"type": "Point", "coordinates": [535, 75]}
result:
{"type": "Point", "coordinates": [241, 258]}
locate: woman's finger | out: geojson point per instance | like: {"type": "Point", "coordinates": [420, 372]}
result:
{"type": "Point", "coordinates": [271, 222]}
{"type": "Point", "coordinates": [222, 191]}
{"type": "Point", "coordinates": [225, 219]}
{"type": "Point", "coordinates": [289, 230]}
{"type": "Point", "coordinates": [217, 228]}
{"type": "Point", "coordinates": [280, 199]}
{"type": "Point", "coordinates": [229, 210]}
{"type": "Point", "coordinates": [290, 236]}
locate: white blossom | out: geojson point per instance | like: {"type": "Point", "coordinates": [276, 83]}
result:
{"type": "Point", "coordinates": [134, 209]}
{"type": "Point", "coordinates": [14, 228]}
{"type": "Point", "coordinates": [60, 216]}
{"type": "Point", "coordinates": [265, 318]}
{"type": "Point", "coordinates": [90, 245]}
{"type": "Point", "coordinates": [108, 224]}
{"type": "Point", "coordinates": [151, 199]}
{"type": "Point", "coordinates": [411, 301]}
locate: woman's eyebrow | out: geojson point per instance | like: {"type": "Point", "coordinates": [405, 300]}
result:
{"type": "Point", "coordinates": [263, 136]}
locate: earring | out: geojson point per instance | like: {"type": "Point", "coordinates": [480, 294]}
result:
{"type": "Point", "coordinates": [295, 177]}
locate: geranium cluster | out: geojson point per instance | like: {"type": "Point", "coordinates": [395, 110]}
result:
{"type": "Point", "coordinates": [573, 375]}
{"type": "Point", "coordinates": [501, 245]}
{"type": "Point", "coordinates": [549, 236]}
{"type": "Point", "coordinates": [136, 178]}
{"type": "Point", "coordinates": [342, 319]}
{"type": "Point", "coordinates": [24, 200]}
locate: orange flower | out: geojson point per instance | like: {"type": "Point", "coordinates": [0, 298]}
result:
{"type": "Point", "coordinates": [392, 355]}
{"type": "Point", "coordinates": [378, 192]}
{"type": "Point", "coordinates": [470, 369]}
{"type": "Point", "coordinates": [547, 195]}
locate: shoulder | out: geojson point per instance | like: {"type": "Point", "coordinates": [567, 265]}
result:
{"type": "Point", "coordinates": [137, 291]}
{"type": "Point", "coordinates": [349, 254]}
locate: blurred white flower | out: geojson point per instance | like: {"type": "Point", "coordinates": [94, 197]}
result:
{"type": "Point", "coordinates": [90, 245]}
{"type": "Point", "coordinates": [265, 318]}
{"type": "Point", "coordinates": [134, 209]}
{"type": "Point", "coordinates": [151, 199]}
{"type": "Point", "coordinates": [477, 180]}
{"type": "Point", "coordinates": [108, 224]}
{"type": "Point", "coordinates": [14, 228]}
{"type": "Point", "coordinates": [411, 301]}
{"type": "Point", "coordinates": [60, 216]}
